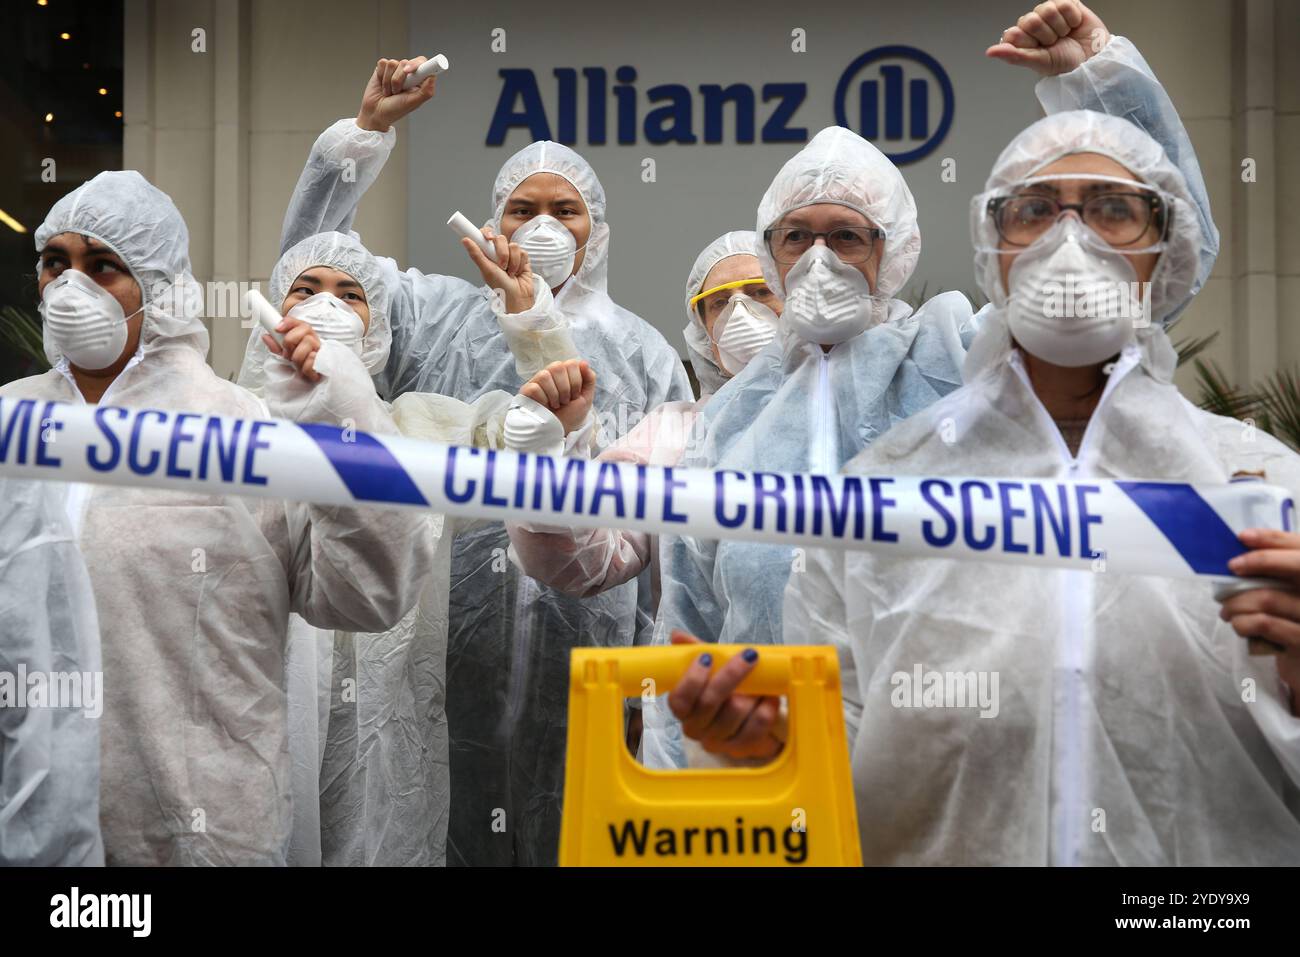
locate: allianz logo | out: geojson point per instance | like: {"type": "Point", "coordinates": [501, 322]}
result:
{"type": "Point", "coordinates": [899, 97]}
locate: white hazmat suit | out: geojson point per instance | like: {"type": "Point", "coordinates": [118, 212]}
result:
{"type": "Point", "coordinates": [49, 749]}
{"type": "Point", "coordinates": [510, 637]}
{"type": "Point", "coordinates": [368, 717]}
{"type": "Point", "coordinates": [797, 407]}
{"type": "Point", "coordinates": [193, 591]}
{"type": "Point", "coordinates": [717, 600]}
{"type": "Point", "coordinates": [1131, 726]}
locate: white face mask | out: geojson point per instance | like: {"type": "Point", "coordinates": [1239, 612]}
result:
{"type": "Point", "coordinates": [742, 331]}
{"type": "Point", "coordinates": [1074, 299]}
{"type": "Point", "coordinates": [551, 249]}
{"type": "Point", "coordinates": [332, 318]}
{"type": "Point", "coordinates": [83, 321]}
{"type": "Point", "coordinates": [827, 300]}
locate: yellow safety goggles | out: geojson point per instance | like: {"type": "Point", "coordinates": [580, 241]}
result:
{"type": "Point", "coordinates": [726, 285]}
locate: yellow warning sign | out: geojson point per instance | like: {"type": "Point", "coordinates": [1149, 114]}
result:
{"type": "Point", "coordinates": [797, 810]}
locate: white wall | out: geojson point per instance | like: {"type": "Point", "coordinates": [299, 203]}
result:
{"type": "Point", "coordinates": [226, 132]}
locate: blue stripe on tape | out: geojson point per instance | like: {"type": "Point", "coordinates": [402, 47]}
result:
{"type": "Point", "coordinates": [1201, 537]}
{"type": "Point", "coordinates": [366, 467]}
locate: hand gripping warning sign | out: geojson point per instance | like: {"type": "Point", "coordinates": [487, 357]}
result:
{"type": "Point", "coordinates": [798, 810]}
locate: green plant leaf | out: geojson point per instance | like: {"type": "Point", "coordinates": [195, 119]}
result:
{"type": "Point", "coordinates": [20, 329]}
{"type": "Point", "coordinates": [1279, 402]}
{"type": "Point", "coordinates": [1220, 396]}
{"type": "Point", "coordinates": [1189, 349]}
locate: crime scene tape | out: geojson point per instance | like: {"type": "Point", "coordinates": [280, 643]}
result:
{"type": "Point", "coordinates": [1158, 528]}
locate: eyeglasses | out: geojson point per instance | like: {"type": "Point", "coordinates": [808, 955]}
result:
{"type": "Point", "coordinates": [853, 244]}
{"type": "Point", "coordinates": [1121, 217]}
{"type": "Point", "coordinates": [710, 304]}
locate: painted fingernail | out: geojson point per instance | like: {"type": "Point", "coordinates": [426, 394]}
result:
{"type": "Point", "coordinates": [750, 655]}
{"type": "Point", "coordinates": [706, 659]}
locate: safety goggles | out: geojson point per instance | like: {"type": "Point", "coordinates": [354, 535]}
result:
{"type": "Point", "coordinates": [726, 285]}
{"type": "Point", "coordinates": [1120, 211]}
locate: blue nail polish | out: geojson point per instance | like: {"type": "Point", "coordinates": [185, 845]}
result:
{"type": "Point", "coordinates": [706, 660]}
{"type": "Point", "coordinates": [750, 655]}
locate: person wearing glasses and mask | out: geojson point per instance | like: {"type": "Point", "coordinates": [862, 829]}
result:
{"type": "Point", "coordinates": [840, 239]}
{"type": "Point", "coordinates": [1135, 726]}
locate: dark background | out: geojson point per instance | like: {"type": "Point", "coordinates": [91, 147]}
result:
{"type": "Point", "coordinates": [41, 74]}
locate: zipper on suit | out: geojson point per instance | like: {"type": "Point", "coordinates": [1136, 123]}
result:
{"type": "Point", "coordinates": [1069, 817]}
{"type": "Point", "coordinates": [825, 457]}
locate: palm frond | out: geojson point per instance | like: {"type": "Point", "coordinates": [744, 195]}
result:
{"type": "Point", "coordinates": [1189, 349]}
{"type": "Point", "coordinates": [1219, 396]}
{"type": "Point", "coordinates": [20, 330]}
{"type": "Point", "coordinates": [1279, 400]}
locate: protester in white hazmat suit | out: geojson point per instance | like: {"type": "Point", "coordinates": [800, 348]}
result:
{"type": "Point", "coordinates": [840, 240]}
{"type": "Point", "coordinates": [1118, 693]}
{"type": "Point", "coordinates": [848, 362]}
{"type": "Point", "coordinates": [368, 733]}
{"type": "Point", "coordinates": [1113, 79]}
{"type": "Point", "coordinates": [732, 314]}
{"type": "Point", "coordinates": [194, 592]}
{"type": "Point", "coordinates": [852, 362]}
{"type": "Point", "coordinates": [510, 637]}
{"type": "Point", "coordinates": [49, 747]}
{"type": "Point", "coordinates": [1130, 725]}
